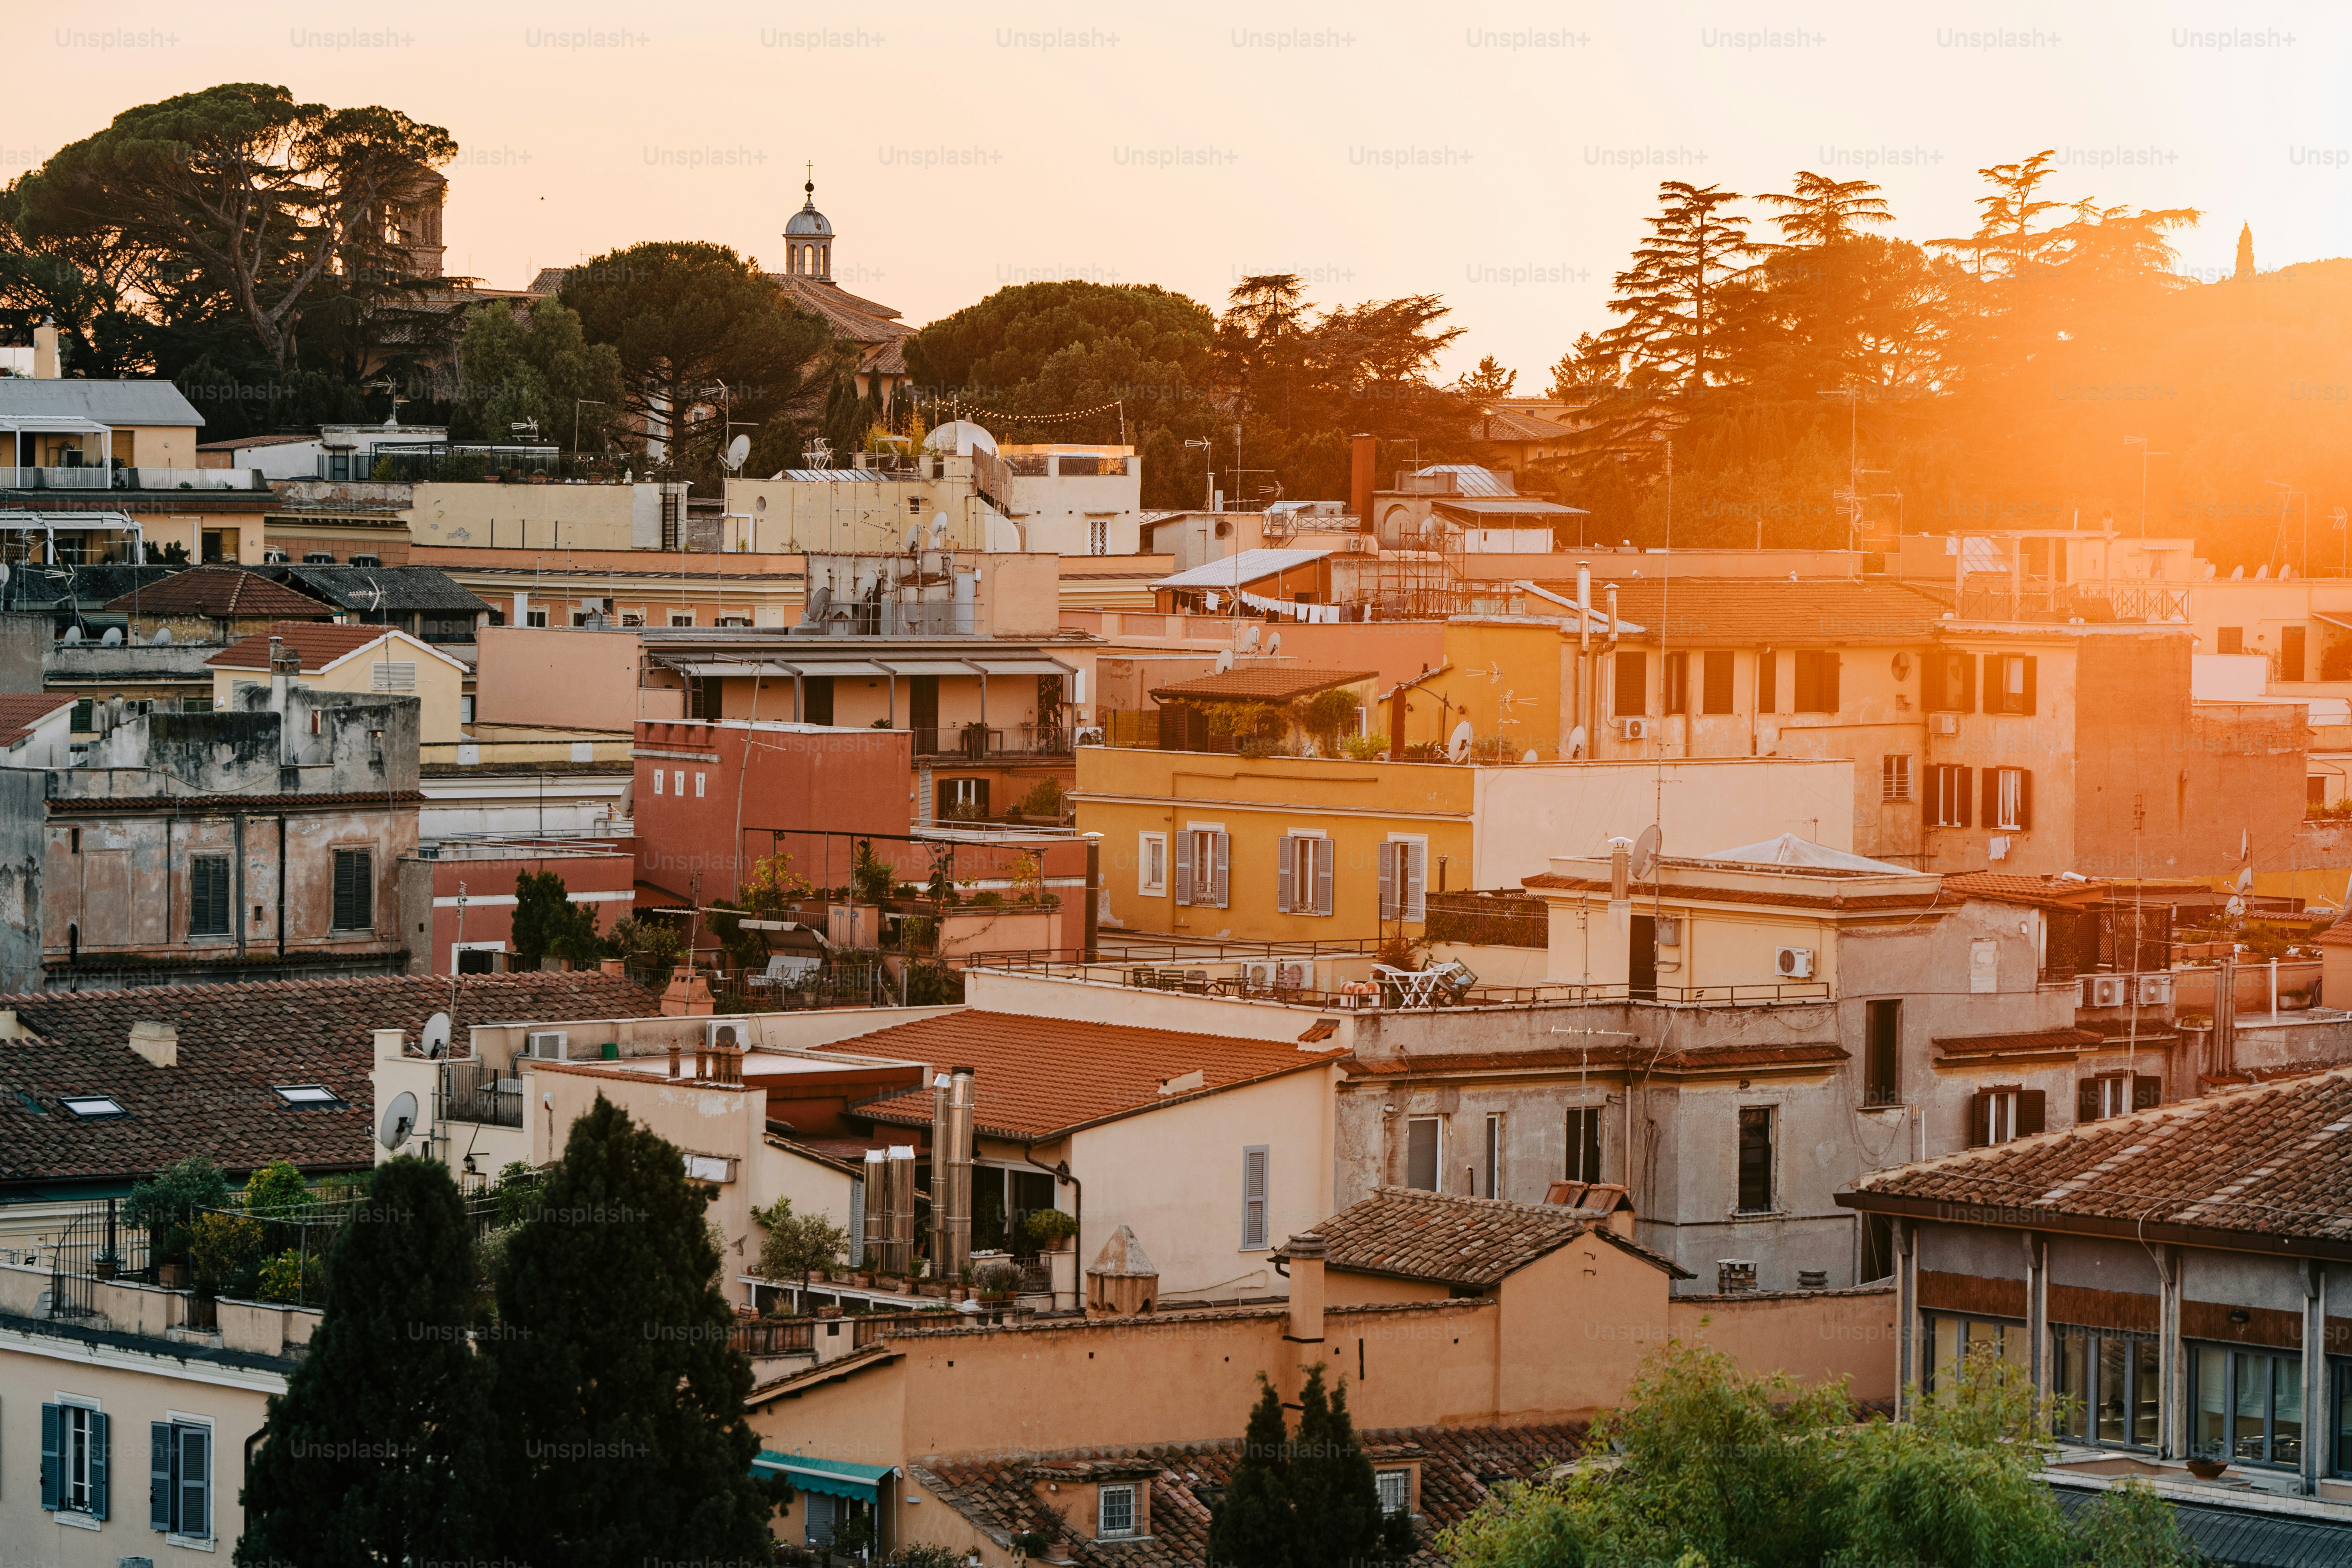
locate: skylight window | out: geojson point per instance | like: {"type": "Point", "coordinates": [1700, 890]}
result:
{"type": "Point", "coordinates": [308, 1095]}
{"type": "Point", "coordinates": [93, 1107]}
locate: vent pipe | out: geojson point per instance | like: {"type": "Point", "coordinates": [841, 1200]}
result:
{"type": "Point", "coordinates": [958, 1237]}
{"type": "Point", "coordinates": [939, 1201]}
{"type": "Point", "coordinates": [898, 1190]}
{"type": "Point", "coordinates": [875, 1235]}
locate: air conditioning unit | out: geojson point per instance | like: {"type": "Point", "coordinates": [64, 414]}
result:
{"type": "Point", "coordinates": [2156, 990]}
{"type": "Point", "coordinates": [1635, 729]}
{"type": "Point", "coordinates": [1794, 963]}
{"type": "Point", "coordinates": [1943, 723]}
{"type": "Point", "coordinates": [2106, 990]}
{"type": "Point", "coordinates": [546, 1045]}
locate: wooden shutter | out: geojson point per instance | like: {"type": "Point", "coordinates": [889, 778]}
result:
{"type": "Point", "coordinates": [1932, 667]}
{"type": "Point", "coordinates": [2032, 684]}
{"type": "Point", "coordinates": [53, 1462]}
{"type": "Point", "coordinates": [1184, 867]}
{"type": "Point", "coordinates": [1414, 861]}
{"type": "Point", "coordinates": [1284, 852]}
{"type": "Point", "coordinates": [2032, 1116]}
{"type": "Point", "coordinates": [1322, 892]}
{"type": "Point", "coordinates": [1253, 1198]}
{"type": "Point", "coordinates": [1967, 795]}
{"type": "Point", "coordinates": [2086, 1101]}
{"type": "Point", "coordinates": [195, 1495]}
{"type": "Point", "coordinates": [1979, 1120]}
{"type": "Point", "coordinates": [2147, 1092]}
{"type": "Point", "coordinates": [160, 1490]}
{"type": "Point", "coordinates": [2025, 792]}
{"type": "Point", "coordinates": [1809, 682]}
{"type": "Point", "coordinates": [1715, 680]}
{"type": "Point", "coordinates": [1992, 798]}
{"type": "Point", "coordinates": [1224, 844]}
{"type": "Point", "coordinates": [99, 1454]}
{"type": "Point", "coordinates": [1768, 683]}
{"type": "Point", "coordinates": [1968, 683]}
{"type": "Point", "coordinates": [1392, 884]}
{"type": "Point", "coordinates": [1828, 682]}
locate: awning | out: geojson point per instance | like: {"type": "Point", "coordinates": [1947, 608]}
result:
{"type": "Point", "coordinates": [827, 667]}
{"type": "Point", "coordinates": [2331, 620]}
{"type": "Point", "coordinates": [704, 669]}
{"type": "Point", "coordinates": [930, 666]}
{"type": "Point", "coordinates": [652, 898]}
{"type": "Point", "coordinates": [1022, 667]}
{"type": "Point", "coordinates": [832, 1478]}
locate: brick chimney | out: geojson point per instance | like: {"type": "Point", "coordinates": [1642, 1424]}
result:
{"type": "Point", "coordinates": [1307, 1253]}
{"type": "Point", "coordinates": [157, 1043]}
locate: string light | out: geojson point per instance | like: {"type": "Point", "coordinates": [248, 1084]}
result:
{"type": "Point", "coordinates": [958, 408]}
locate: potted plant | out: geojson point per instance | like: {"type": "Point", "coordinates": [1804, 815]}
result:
{"type": "Point", "coordinates": [106, 1265]}
{"type": "Point", "coordinates": [996, 1280]}
{"type": "Point", "coordinates": [1050, 1229]}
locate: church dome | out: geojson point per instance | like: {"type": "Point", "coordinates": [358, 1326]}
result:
{"type": "Point", "coordinates": [808, 223]}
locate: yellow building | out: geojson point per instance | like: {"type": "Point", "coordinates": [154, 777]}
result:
{"type": "Point", "coordinates": [1301, 849]}
{"type": "Point", "coordinates": [357, 658]}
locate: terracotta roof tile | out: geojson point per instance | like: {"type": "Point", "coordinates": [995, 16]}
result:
{"type": "Point", "coordinates": [1413, 1235]}
{"type": "Point", "coordinates": [2040, 892]}
{"type": "Point", "coordinates": [220, 591]}
{"type": "Point", "coordinates": [2025, 1042]}
{"type": "Point", "coordinates": [2273, 1161]}
{"type": "Point", "coordinates": [1730, 612]}
{"type": "Point", "coordinates": [1702, 1058]}
{"type": "Point", "coordinates": [319, 644]}
{"type": "Point", "coordinates": [149, 805]}
{"type": "Point", "coordinates": [1039, 1077]}
{"type": "Point", "coordinates": [1266, 683]}
{"type": "Point", "coordinates": [19, 712]}
{"type": "Point", "coordinates": [1458, 1466]}
{"type": "Point", "coordinates": [234, 1041]}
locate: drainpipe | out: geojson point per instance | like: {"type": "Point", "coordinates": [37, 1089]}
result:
{"type": "Point", "coordinates": [1091, 953]}
{"type": "Point", "coordinates": [1061, 1173]}
{"type": "Point", "coordinates": [236, 914]}
{"type": "Point", "coordinates": [281, 884]}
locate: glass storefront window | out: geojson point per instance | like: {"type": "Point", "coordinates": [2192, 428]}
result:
{"type": "Point", "coordinates": [2248, 1406]}
{"type": "Point", "coordinates": [2108, 1380]}
{"type": "Point", "coordinates": [1951, 1338]}
{"type": "Point", "coordinates": [2209, 1429]}
{"type": "Point", "coordinates": [2114, 1388]}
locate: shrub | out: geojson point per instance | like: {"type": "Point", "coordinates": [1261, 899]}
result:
{"type": "Point", "coordinates": [290, 1277]}
{"type": "Point", "coordinates": [221, 1249]}
{"type": "Point", "coordinates": [1045, 1227]}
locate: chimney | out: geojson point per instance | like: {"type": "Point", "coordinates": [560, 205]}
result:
{"type": "Point", "coordinates": [877, 1235]}
{"type": "Point", "coordinates": [391, 1045]}
{"type": "Point", "coordinates": [1307, 1253]}
{"type": "Point", "coordinates": [616, 967]}
{"type": "Point", "coordinates": [158, 1043]}
{"type": "Point", "coordinates": [898, 1197]}
{"type": "Point", "coordinates": [940, 1144]}
{"type": "Point", "coordinates": [1359, 480]}
{"type": "Point", "coordinates": [673, 1058]}
{"type": "Point", "coordinates": [1122, 1280]}
{"type": "Point", "coordinates": [958, 1238]}
{"type": "Point", "coordinates": [1620, 869]}
{"type": "Point", "coordinates": [46, 367]}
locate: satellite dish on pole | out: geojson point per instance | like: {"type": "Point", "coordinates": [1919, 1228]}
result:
{"type": "Point", "coordinates": [1274, 644]}
{"type": "Point", "coordinates": [737, 450]}
{"type": "Point", "coordinates": [2236, 907]}
{"type": "Point", "coordinates": [914, 537]}
{"type": "Point", "coordinates": [1645, 853]}
{"type": "Point", "coordinates": [1458, 746]}
{"type": "Point", "coordinates": [399, 1120]}
{"type": "Point", "coordinates": [1576, 741]}
{"type": "Point", "coordinates": [2245, 878]}
{"type": "Point", "coordinates": [435, 1041]}
{"type": "Point", "coordinates": [938, 529]}
{"type": "Point", "coordinates": [1225, 659]}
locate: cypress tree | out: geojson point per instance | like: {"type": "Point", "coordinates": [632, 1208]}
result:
{"type": "Point", "coordinates": [619, 1402]}
{"type": "Point", "coordinates": [1251, 1526]}
{"type": "Point", "coordinates": [362, 1459]}
{"type": "Point", "coordinates": [1335, 1503]}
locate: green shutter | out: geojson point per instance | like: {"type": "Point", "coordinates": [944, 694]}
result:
{"type": "Point", "coordinates": [53, 1466]}
{"type": "Point", "coordinates": [160, 1497]}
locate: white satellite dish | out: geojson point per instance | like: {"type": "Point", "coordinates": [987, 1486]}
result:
{"type": "Point", "coordinates": [914, 537]}
{"type": "Point", "coordinates": [162, 636]}
{"type": "Point", "coordinates": [1249, 637]}
{"type": "Point", "coordinates": [1576, 741]}
{"type": "Point", "coordinates": [1645, 853]}
{"type": "Point", "coordinates": [1225, 659]}
{"type": "Point", "coordinates": [1530, 756]}
{"type": "Point", "coordinates": [1274, 644]}
{"type": "Point", "coordinates": [1458, 747]}
{"type": "Point", "coordinates": [113, 637]}
{"type": "Point", "coordinates": [435, 1041]}
{"type": "Point", "coordinates": [2236, 906]}
{"type": "Point", "coordinates": [2245, 878]}
{"type": "Point", "coordinates": [72, 637]}
{"type": "Point", "coordinates": [399, 1120]}
{"type": "Point", "coordinates": [737, 450]}
{"type": "Point", "coordinates": [938, 529]}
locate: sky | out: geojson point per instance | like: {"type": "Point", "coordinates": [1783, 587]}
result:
{"type": "Point", "coordinates": [1504, 155]}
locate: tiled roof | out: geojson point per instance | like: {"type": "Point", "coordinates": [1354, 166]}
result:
{"type": "Point", "coordinates": [1733, 612]}
{"type": "Point", "coordinates": [1699, 1058]}
{"type": "Point", "coordinates": [2272, 1162]}
{"type": "Point", "coordinates": [20, 713]}
{"type": "Point", "coordinates": [1502, 425]}
{"type": "Point", "coordinates": [1413, 1235]}
{"type": "Point", "coordinates": [367, 589]}
{"type": "Point", "coordinates": [2029, 1042]}
{"type": "Point", "coordinates": [2338, 935]}
{"type": "Point", "coordinates": [852, 319]}
{"type": "Point", "coordinates": [1039, 1077]}
{"type": "Point", "coordinates": [132, 805]}
{"type": "Point", "coordinates": [319, 644]}
{"type": "Point", "coordinates": [234, 1041]}
{"type": "Point", "coordinates": [1458, 1465]}
{"type": "Point", "coordinates": [2040, 892]}
{"type": "Point", "coordinates": [1261, 683]}
{"type": "Point", "coordinates": [220, 591]}
{"type": "Point", "coordinates": [249, 443]}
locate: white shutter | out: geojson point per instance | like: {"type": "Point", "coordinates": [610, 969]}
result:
{"type": "Point", "coordinates": [1322, 895]}
{"type": "Point", "coordinates": [1285, 851]}
{"type": "Point", "coordinates": [1253, 1198]}
{"type": "Point", "coordinates": [394, 675]}
{"type": "Point", "coordinates": [1224, 845]}
{"type": "Point", "coordinates": [1184, 842]}
{"type": "Point", "coordinates": [1414, 858]}
{"type": "Point", "coordinates": [1387, 855]}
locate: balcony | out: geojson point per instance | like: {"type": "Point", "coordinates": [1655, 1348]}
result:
{"type": "Point", "coordinates": [978, 743]}
{"type": "Point", "coordinates": [476, 1092]}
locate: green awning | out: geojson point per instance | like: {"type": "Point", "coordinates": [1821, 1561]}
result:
{"type": "Point", "coordinates": [833, 1477]}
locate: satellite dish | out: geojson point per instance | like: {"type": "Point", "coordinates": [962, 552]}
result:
{"type": "Point", "coordinates": [435, 1042]}
{"type": "Point", "coordinates": [1902, 666]}
{"type": "Point", "coordinates": [1274, 644]}
{"type": "Point", "coordinates": [1458, 746]}
{"type": "Point", "coordinates": [1576, 741]}
{"type": "Point", "coordinates": [1645, 853]}
{"type": "Point", "coordinates": [399, 1120]}
{"type": "Point", "coordinates": [73, 636]}
{"type": "Point", "coordinates": [113, 637]}
{"type": "Point", "coordinates": [1249, 637]}
{"type": "Point", "coordinates": [1530, 756]}
{"type": "Point", "coordinates": [162, 636]}
{"type": "Point", "coordinates": [914, 538]}
{"type": "Point", "coordinates": [2245, 880]}
{"type": "Point", "coordinates": [1225, 659]}
{"type": "Point", "coordinates": [737, 450]}
{"type": "Point", "coordinates": [938, 529]}
{"type": "Point", "coordinates": [2236, 906]}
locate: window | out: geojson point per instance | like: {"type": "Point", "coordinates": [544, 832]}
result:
{"type": "Point", "coordinates": [1201, 857]}
{"type": "Point", "coordinates": [702, 699]}
{"type": "Point", "coordinates": [1254, 1174]}
{"type": "Point", "coordinates": [1883, 1053]}
{"type": "Point", "coordinates": [1677, 690]}
{"type": "Point", "coordinates": [1817, 682]}
{"type": "Point", "coordinates": [1491, 1178]}
{"type": "Point", "coordinates": [1584, 1143]}
{"type": "Point", "coordinates": [658, 774]}
{"type": "Point", "coordinates": [1421, 1152]}
{"type": "Point", "coordinates": [1756, 1160]}
{"type": "Point", "coordinates": [1947, 683]}
{"type": "Point", "coordinates": [85, 715]}
{"type": "Point", "coordinates": [1952, 1338]}
{"type": "Point", "coordinates": [697, 784]}
{"type": "Point", "coordinates": [2229, 639]}
{"type": "Point", "coordinates": [354, 891]}
{"type": "Point", "coordinates": [681, 618]}
{"type": "Point", "coordinates": [2003, 1115]}
{"type": "Point", "coordinates": [315, 1096]}
{"type": "Point", "coordinates": [1395, 1489]}
{"type": "Point", "coordinates": [2248, 1405]}
{"type": "Point", "coordinates": [1631, 686]}
{"type": "Point", "coordinates": [1715, 683]}
{"type": "Point", "coordinates": [963, 799]}
{"type": "Point", "coordinates": [93, 1107]}
{"type": "Point", "coordinates": [180, 1478]}
{"type": "Point", "coordinates": [1768, 683]}
{"type": "Point", "coordinates": [2112, 1375]}
{"type": "Point", "coordinates": [392, 675]}
{"type": "Point", "coordinates": [1115, 1510]}
{"type": "Point", "coordinates": [1947, 795]}
{"type": "Point", "coordinates": [2096, 1098]}
{"type": "Point", "coordinates": [2015, 690]}
{"type": "Point", "coordinates": [1098, 537]}
{"type": "Point", "coordinates": [208, 907]}
{"type": "Point", "coordinates": [816, 701]}
{"type": "Point", "coordinates": [534, 617]}
{"type": "Point", "coordinates": [465, 710]}
{"type": "Point", "coordinates": [1151, 865]}
{"type": "Point", "coordinates": [677, 781]}
{"type": "Point", "coordinates": [1404, 879]}
{"type": "Point", "coordinates": [1893, 778]}
{"type": "Point", "coordinates": [2292, 642]}
{"type": "Point", "coordinates": [74, 1459]}
{"type": "Point", "coordinates": [1303, 875]}
{"type": "Point", "coordinates": [2009, 799]}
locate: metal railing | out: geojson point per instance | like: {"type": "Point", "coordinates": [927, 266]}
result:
{"type": "Point", "coordinates": [976, 743]}
{"type": "Point", "coordinates": [478, 1092]}
{"type": "Point", "coordinates": [773, 1337]}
